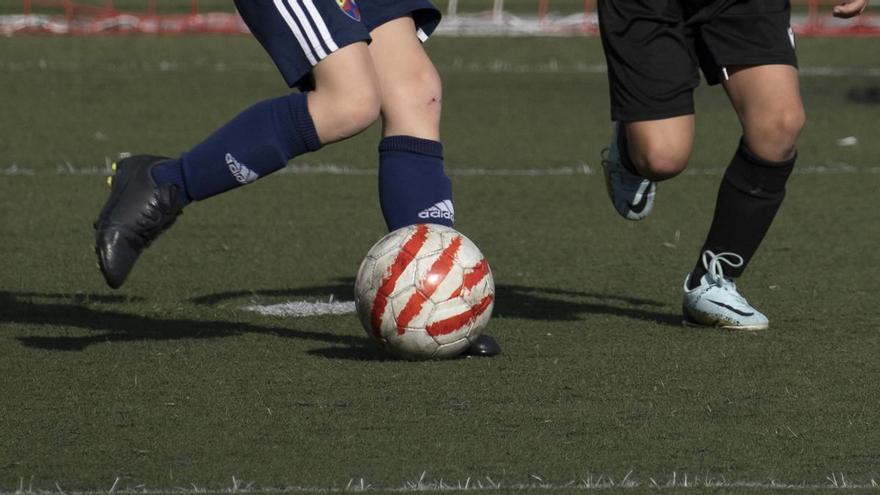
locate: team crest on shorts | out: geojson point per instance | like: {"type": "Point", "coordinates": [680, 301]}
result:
{"type": "Point", "coordinates": [350, 8]}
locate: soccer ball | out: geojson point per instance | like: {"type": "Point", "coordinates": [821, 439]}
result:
{"type": "Point", "coordinates": [424, 292]}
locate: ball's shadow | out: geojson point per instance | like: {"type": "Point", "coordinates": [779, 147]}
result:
{"type": "Point", "coordinates": [115, 325]}
{"type": "Point", "coordinates": [511, 301]}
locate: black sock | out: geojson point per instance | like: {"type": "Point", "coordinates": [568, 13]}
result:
{"type": "Point", "coordinates": [623, 149]}
{"type": "Point", "coordinates": [748, 199]}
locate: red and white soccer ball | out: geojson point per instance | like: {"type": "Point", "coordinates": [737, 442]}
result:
{"type": "Point", "coordinates": [424, 292]}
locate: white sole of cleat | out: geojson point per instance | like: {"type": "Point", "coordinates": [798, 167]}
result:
{"type": "Point", "coordinates": [732, 328]}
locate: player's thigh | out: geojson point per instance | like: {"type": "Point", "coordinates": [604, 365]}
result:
{"type": "Point", "coordinates": [660, 148]}
{"type": "Point", "coordinates": [346, 98]}
{"type": "Point", "coordinates": [768, 102]}
{"type": "Point", "coordinates": [347, 71]}
{"type": "Point", "coordinates": [321, 47]}
{"type": "Point", "coordinates": [750, 48]}
{"type": "Point", "coordinates": [409, 83]}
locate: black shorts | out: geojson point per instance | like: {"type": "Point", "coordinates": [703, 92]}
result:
{"type": "Point", "coordinates": [656, 48]}
{"type": "Point", "coordinates": [298, 34]}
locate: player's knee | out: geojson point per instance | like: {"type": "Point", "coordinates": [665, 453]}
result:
{"type": "Point", "coordinates": [427, 90]}
{"type": "Point", "coordinates": [786, 126]}
{"type": "Point", "coordinates": [356, 110]}
{"type": "Point", "coordinates": [363, 108]}
{"type": "Point", "coordinates": [418, 93]}
{"type": "Point", "coordinates": [660, 163]}
{"type": "Point", "coordinates": [775, 137]}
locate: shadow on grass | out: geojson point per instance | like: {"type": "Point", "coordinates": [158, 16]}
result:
{"type": "Point", "coordinates": [540, 303]}
{"type": "Point", "coordinates": [511, 301]}
{"type": "Point", "coordinates": [114, 326]}
{"type": "Point", "coordinates": [71, 310]}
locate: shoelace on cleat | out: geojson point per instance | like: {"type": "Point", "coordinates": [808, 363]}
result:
{"type": "Point", "coordinates": [714, 267]}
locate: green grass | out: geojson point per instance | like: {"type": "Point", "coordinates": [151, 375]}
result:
{"type": "Point", "coordinates": [168, 384]}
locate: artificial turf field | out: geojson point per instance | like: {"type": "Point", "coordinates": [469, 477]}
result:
{"type": "Point", "coordinates": [169, 385]}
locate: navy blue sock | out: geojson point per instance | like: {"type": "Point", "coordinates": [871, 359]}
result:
{"type": "Point", "coordinates": [170, 172]}
{"type": "Point", "coordinates": [255, 143]}
{"type": "Point", "coordinates": [412, 185]}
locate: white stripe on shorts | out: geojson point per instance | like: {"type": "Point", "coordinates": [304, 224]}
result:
{"type": "Point", "coordinates": [279, 4]}
{"type": "Point", "coordinates": [304, 22]}
{"type": "Point", "coordinates": [423, 36]}
{"type": "Point", "coordinates": [322, 26]}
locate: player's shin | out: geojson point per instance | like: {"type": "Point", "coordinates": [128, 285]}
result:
{"type": "Point", "coordinates": [255, 143]}
{"type": "Point", "coordinates": [749, 197]}
{"type": "Point", "coordinates": [413, 187]}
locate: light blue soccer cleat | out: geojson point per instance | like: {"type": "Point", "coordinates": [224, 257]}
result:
{"type": "Point", "coordinates": [631, 195]}
{"type": "Point", "coordinates": [716, 302]}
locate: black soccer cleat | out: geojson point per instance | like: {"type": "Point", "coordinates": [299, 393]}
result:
{"type": "Point", "coordinates": [484, 346]}
{"type": "Point", "coordinates": [134, 215]}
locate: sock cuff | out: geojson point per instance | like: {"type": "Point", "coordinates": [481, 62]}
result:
{"type": "Point", "coordinates": [623, 150]}
{"type": "Point", "coordinates": [747, 154]}
{"type": "Point", "coordinates": [757, 176]}
{"type": "Point", "coordinates": [171, 172]}
{"type": "Point", "coordinates": [302, 121]}
{"type": "Point", "coordinates": [412, 144]}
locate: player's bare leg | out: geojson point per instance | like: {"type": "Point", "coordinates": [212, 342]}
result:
{"type": "Point", "coordinates": [346, 99]}
{"type": "Point", "coordinates": [410, 85]}
{"type": "Point", "coordinates": [413, 187]}
{"type": "Point", "coordinates": [641, 154]}
{"type": "Point", "coordinates": [411, 164]}
{"type": "Point", "coordinates": [659, 149]}
{"type": "Point", "coordinates": [255, 143]}
{"type": "Point", "coordinates": [767, 101]}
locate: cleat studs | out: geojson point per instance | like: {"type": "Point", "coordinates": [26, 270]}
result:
{"type": "Point", "coordinates": [110, 181]}
{"type": "Point", "coordinates": [113, 167]}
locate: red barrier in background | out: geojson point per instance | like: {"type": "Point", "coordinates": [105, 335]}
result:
{"type": "Point", "coordinates": [70, 17]}
{"type": "Point", "coordinates": [105, 17]}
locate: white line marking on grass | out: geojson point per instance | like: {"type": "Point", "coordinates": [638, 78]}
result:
{"type": "Point", "coordinates": [554, 66]}
{"type": "Point", "coordinates": [334, 169]}
{"type": "Point", "coordinates": [677, 481]}
{"type": "Point", "coordinates": [458, 64]}
{"type": "Point", "coordinates": [326, 169]}
{"type": "Point", "coordinates": [300, 309]}
{"type": "Point", "coordinates": [68, 169]}
{"type": "Point", "coordinates": [14, 169]}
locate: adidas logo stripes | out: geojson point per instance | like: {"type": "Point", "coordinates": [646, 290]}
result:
{"type": "Point", "coordinates": [443, 209]}
{"type": "Point", "coordinates": [241, 173]}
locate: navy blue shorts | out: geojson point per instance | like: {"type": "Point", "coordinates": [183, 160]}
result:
{"type": "Point", "coordinates": [300, 33]}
